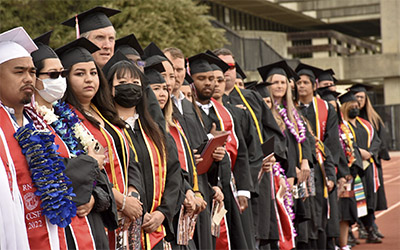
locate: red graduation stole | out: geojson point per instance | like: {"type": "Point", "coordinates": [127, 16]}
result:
{"type": "Point", "coordinates": [159, 169]}
{"type": "Point", "coordinates": [180, 140]}
{"type": "Point", "coordinates": [370, 131]}
{"type": "Point", "coordinates": [40, 234]}
{"type": "Point", "coordinates": [227, 124]}
{"type": "Point", "coordinates": [321, 117]}
{"type": "Point", "coordinates": [113, 165]}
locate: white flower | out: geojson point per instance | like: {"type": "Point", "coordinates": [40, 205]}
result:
{"type": "Point", "coordinates": [48, 114]}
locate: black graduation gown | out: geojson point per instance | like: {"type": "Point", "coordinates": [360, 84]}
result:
{"type": "Point", "coordinates": [332, 142]}
{"type": "Point", "coordinates": [383, 154]}
{"type": "Point", "coordinates": [383, 135]}
{"type": "Point", "coordinates": [83, 171]}
{"type": "Point", "coordinates": [194, 131]}
{"type": "Point", "coordinates": [236, 233]}
{"type": "Point", "coordinates": [264, 214]}
{"type": "Point", "coordinates": [172, 196]}
{"type": "Point", "coordinates": [368, 180]}
{"type": "Point", "coordinates": [246, 179]}
{"type": "Point", "coordinates": [135, 177]}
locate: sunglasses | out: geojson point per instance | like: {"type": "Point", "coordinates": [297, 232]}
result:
{"type": "Point", "coordinates": [55, 74]}
{"type": "Point", "coordinates": [231, 66]}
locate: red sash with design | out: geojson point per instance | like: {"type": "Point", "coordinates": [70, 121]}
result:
{"type": "Point", "coordinates": [321, 117]}
{"type": "Point", "coordinates": [80, 227]}
{"type": "Point", "coordinates": [227, 124]}
{"type": "Point", "coordinates": [41, 235]}
{"type": "Point", "coordinates": [159, 170]}
{"type": "Point", "coordinates": [370, 131]}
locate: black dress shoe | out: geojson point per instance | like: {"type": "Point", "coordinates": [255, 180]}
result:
{"type": "Point", "coordinates": [372, 237]}
{"type": "Point", "coordinates": [362, 233]}
{"type": "Point", "coordinates": [351, 240]}
{"type": "Point", "coordinates": [379, 234]}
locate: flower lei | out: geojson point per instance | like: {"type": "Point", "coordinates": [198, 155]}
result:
{"type": "Point", "coordinates": [288, 196]}
{"type": "Point", "coordinates": [62, 121]}
{"type": "Point", "coordinates": [46, 168]}
{"type": "Point", "coordinates": [347, 144]}
{"type": "Point", "coordinates": [300, 135]}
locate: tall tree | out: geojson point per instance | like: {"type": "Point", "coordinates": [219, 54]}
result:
{"type": "Point", "coordinates": [179, 23]}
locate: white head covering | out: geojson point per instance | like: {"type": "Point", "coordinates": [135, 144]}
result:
{"type": "Point", "coordinates": [15, 43]}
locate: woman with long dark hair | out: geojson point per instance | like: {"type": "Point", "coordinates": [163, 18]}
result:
{"type": "Point", "coordinates": [83, 165]}
{"type": "Point", "coordinates": [162, 177]}
{"type": "Point", "coordinates": [88, 93]}
{"type": "Point", "coordinates": [369, 144]}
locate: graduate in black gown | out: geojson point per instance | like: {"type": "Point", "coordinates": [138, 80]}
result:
{"type": "Point", "coordinates": [266, 127]}
{"type": "Point", "coordinates": [245, 177]}
{"type": "Point", "coordinates": [368, 143]}
{"type": "Point", "coordinates": [350, 157]}
{"type": "Point", "coordinates": [368, 113]}
{"type": "Point", "coordinates": [187, 116]}
{"type": "Point", "coordinates": [83, 168]}
{"type": "Point", "coordinates": [159, 164]}
{"type": "Point", "coordinates": [324, 123]}
{"type": "Point", "coordinates": [216, 118]}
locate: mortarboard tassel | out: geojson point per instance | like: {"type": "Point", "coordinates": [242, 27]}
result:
{"type": "Point", "coordinates": [78, 34]}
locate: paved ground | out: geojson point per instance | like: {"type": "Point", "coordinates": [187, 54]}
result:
{"type": "Point", "coordinates": [388, 221]}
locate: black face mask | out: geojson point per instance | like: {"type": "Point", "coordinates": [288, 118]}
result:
{"type": "Point", "coordinates": [353, 113]}
{"type": "Point", "coordinates": [128, 95]}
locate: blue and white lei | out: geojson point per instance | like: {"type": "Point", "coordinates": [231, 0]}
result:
{"type": "Point", "coordinates": [46, 167]}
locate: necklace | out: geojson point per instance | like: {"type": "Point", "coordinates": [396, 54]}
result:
{"type": "Point", "coordinates": [47, 172]}
{"type": "Point", "coordinates": [299, 132]}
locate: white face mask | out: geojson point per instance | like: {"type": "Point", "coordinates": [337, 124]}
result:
{"type": "Point", "coordinates": [53, 89]}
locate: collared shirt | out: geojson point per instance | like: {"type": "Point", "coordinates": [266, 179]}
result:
{"type": "Point", "coordinates": [178, 101]}
{"type": "Point", "coordinates": [11, 111]}
{"type": "Point", "coordinates": [205, 107]}
{"type": "Point", "coordinates": [131, 121]}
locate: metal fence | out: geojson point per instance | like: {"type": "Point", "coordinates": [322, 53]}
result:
{"type": "Point", "coordinates": [390, 115]}
{"type": "Point", "coordinates": [250, 53]}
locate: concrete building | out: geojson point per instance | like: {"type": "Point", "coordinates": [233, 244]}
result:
{"type": "Point", "coordinates": [358, 39]}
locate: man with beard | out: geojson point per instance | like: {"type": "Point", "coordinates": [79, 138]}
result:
{"type": "Point", "coordinates": [97, 28]}
{"type": "Point", "coordinates": [217, 119]}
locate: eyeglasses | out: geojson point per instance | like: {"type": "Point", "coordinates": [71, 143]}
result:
{"type": "Point", "coordinates": [139, 63]}
{"type": "Point", "coordinates": [55, 74]}
{"type": "Point", "coordinates": [231, 66]}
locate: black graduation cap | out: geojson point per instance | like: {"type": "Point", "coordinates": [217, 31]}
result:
{"type": "Point", "coordinates": [280, 68]}
{"type": "Point", "coordinates": [44, 51]}
{"type": "Point", "coordinates": [293, 75]}
{"type": "Point", "coordinates": [129, 45]}
{"type": "Point", "coordinates": [202, 63]}
{"type": "Point", "coordinates": [326, 75]}
{"type": "Point", "coordinates": [221, 65]}
{"type": "Point", "coordinates": [347, 97]}
{"type": "Point", "coordinates": [153, 73]}
{"type": "Point", "coordinates": [117, 57]}
{"type": "Point", "coordinates": [153, 55]}
{"type": "Point", "coordinates": [188, 79]}
{"type": "Point", "coordinates": [239, 72]}
{"type": "Point", "coordinates": [308, 70]}
{"type": "Point", "coordinates": [92, 19]}
{"type": "Point", "coordinates": [77, 51]}
{"type": "Point", "coordinates": [359, 87]}
{"type": "Point", "coordinates": [261, 87]}
{"type": "Point", "coordinates": [153, 50]}
{"type": "Point", "coordinates": [327, 94]}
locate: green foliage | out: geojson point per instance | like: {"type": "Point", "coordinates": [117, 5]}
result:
{"type": "Point", "coordinates": [169, 23]}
